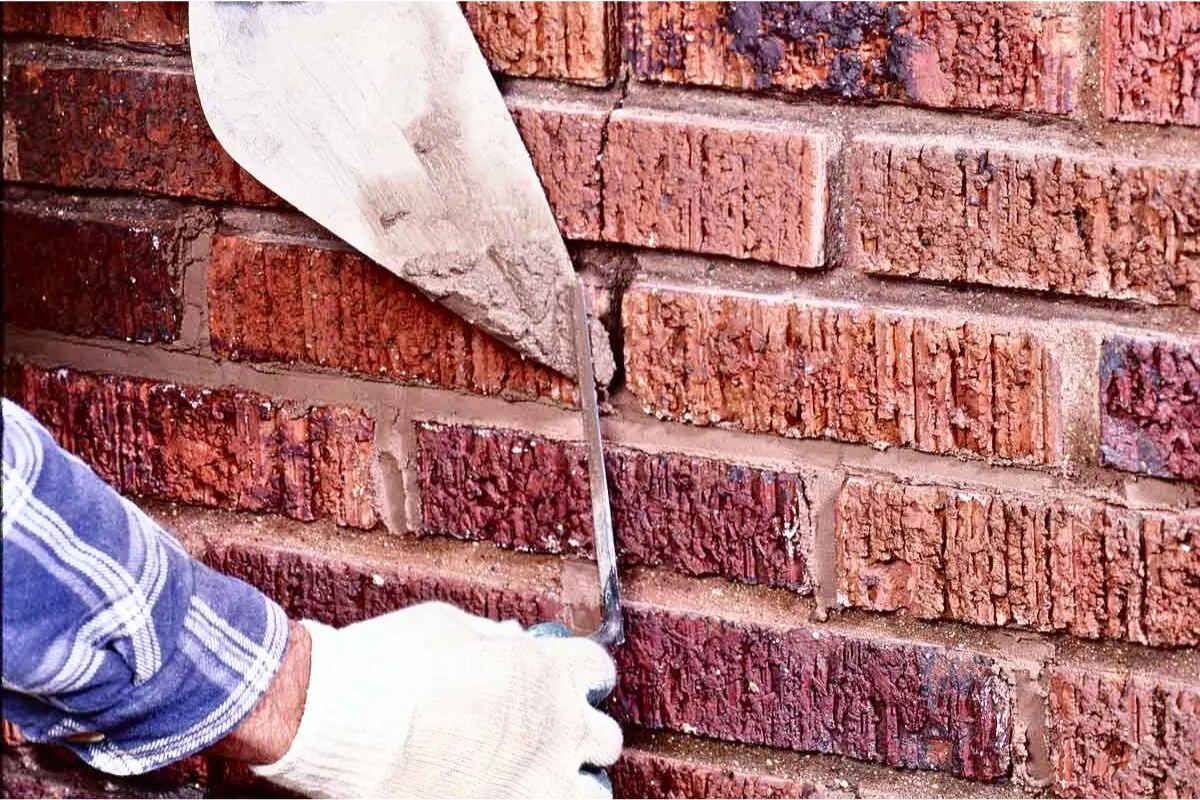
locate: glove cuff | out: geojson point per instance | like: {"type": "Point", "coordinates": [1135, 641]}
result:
{"type": "Point", "coordinates": [347, 740]}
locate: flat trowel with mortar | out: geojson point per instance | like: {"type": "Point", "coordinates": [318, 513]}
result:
{"type": "Point", "coordinates": [382, 123]}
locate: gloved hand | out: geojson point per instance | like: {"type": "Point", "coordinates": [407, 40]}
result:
{"type": "Point", "coordinates": [433, 702]}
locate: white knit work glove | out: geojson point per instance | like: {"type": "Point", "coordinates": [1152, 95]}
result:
{"type": "Point", "coordinates": [433, 702]}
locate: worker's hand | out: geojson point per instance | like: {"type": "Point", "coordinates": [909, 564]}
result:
{"type": "Point", "coordinates": [433, 702]}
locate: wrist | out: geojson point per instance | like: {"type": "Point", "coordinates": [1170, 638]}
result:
{"type": "Point", "coordinates": [267, 733]}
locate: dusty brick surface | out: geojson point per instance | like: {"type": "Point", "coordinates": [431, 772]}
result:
{"type": "Point", "coordinates": [1011, 56]}
{"type": "Point", "coordinates": [1150, 406]}
{"type": "Point", "coordinates": [693, 515]}
{"type": "Point", "coordinates": [138, 23]}
{"type": "Point", "coordinates": [564, 142]}
{"type": "Point", "coordinates": [570, 41]}
{"type": "Point", "coordinates": [1123, 735]}
{"type": "Point", "coordinates": [1151, 55]}
{"type": "Point", "coordinates": [713, 185]}
{"type": "Point", "coordinates": [642, 774]}
{"type": "Point", "coordinates": [1092, 570]}
{"type": "Point", "coordinates": [47, 771]}
{"type": "Point", "coordinates": [338, 589]}
{"type": "Point", "coordinates": [1025, 217]}
{"type": "Point", "coordinates": [899, 704]}
{"type": "Point", "coordinates": [96, 268]}
{"type": "Point", "coordinates": [131, 128]}
{"type": "Point", "coordinates": [225, 448]}
{"type": "Point", "coordinates": [333, 308]}
{"type": "Point", "coordinates": [803, 368]}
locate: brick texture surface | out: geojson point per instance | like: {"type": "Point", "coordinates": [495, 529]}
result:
{"type": "Point", "coordinates": [1152, 62]}
{"type": "Point", "coordinates": [131, 128]}
{"type": "Point", "coordinates": [1123, 735]}
{"type": "Point", "coordinates": [641, 774]}
{"type": "Point", "coordinates": [1024, 217]}
{"type": "Point", "coordinates": [332, 308]}
{"type": "Point", "coordinates": [710, 185]}
{"type": "Point", "coordinates": [1150, 406]}
{"type": "Point", "coordinates": [1012, 56]}
{"type": "Point", "coordinates": [569, 41]}
{"type": "Point", "coordinates": [564, 142]}
{"type": "Point", "coordinates": [94, 268]}
{"type": "Point", "coordinates": [805, 369]}
{"type": "Point", "coordinates": [1018, 560]}
{"type": "Point", "coordinates": [225, 448]}
{"type": "Point", "coordinates": [900, 704]}
{"type": "Point", "coordinates": [338, 589]}
{"type": "Point", "coordinates": [136, 23]}
{"type": "Point", "coordinates": [693, 515]}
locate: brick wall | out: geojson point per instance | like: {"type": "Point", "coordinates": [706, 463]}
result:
{"type": "Point", "coordinates": [904, 439]}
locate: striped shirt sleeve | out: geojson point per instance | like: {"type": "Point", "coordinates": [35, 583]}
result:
{"type": "Point", "coordinates": [116, 642]}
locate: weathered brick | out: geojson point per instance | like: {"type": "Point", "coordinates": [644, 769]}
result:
{"type": "Point", "coordinates": [225, 447]}
{"type": "Point", "coordinates": [1004, 56]}
{"type": "Point", "coordinates": [807, 368]}
{"type": "Point", "coordinates": [1151, 55]}
{"type": "Point", "coordinates": [352, 583]}
{"type": "Point", "coordinates": [333, 308]}
{"type": "Point", "coordinates": [1150, 406]}
{"type": "Point", "coordinates": [900, 704]}
{"type": "Point", "coordinates": [562, 41]}
{"type": "Point", "coordinates": [137, 23]}
{"type": "Point", "coordinates": [693, 515]}
{"type": "Point", "coordinates": [892, 702]}
{"type": "Point", "coordinates": [1090, 569]}
{"type": "Point", "coordinates": [714, 185]}
{"type": "Point", "coordinates": [1026, 217]}
{"type": "Point", "coordinates": [564, 142]}
{"type": "Point", "coordinates": [125, 127]}
{"type": "Point", "coordinates": [1115, 734]}
{"type": "Point", "coordinates": [647, 774]}
{"type": "Point", "coordinates": [96, 267]}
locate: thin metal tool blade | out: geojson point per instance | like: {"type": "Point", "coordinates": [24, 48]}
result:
{"type": "Point", "coordinates": [612, 627]}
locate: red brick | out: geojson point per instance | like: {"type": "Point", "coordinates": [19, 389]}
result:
{"type": "Point", "coordinates": [123, 127]}
{"type": "Point", "coordinates": [1010, 56]}
{"type": "Point", "coordinates": [333, 308]}
{"type": "Point", "coordinates": [1026, 217]}
{"type": "Point", "coordinates": [564, 142]}
{"type": "Point", "coordinates": [892, 702]}
{"type": "Point", "coordinates": [225, 447]}
{"type": "Point", "coordinates": [693, 515]}
{"type": "Point", "coordinates": [1090, 569]}
{"type": "Point", "coordinates": [561, 41]}
{"type": "Point", "coordinates": [899, 704]}
{"type": "Point", "coordinates": [713, 185]}
{"type": "Point", "coordinates": [1151, 55]}
{"type": "Point", "coordinates": [136, 23]}
{"type": "Point", "coordinates": [1150, 406]}
{"type": "Point", "coordinates": [808, 368]}
{"type": "Point", "coordinates": [647, 774]}
{"type": "Point", "coordinates": [96, 267]}
{"type": "Point", "coordinates": [1115, 734]}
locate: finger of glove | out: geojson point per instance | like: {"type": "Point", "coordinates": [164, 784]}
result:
{"type": "Point", "coordinates": [590, 668]}
{"type": "Point", "coordinates": [590, 787]}
{"type": "Point", "coordinates": [602, 740]}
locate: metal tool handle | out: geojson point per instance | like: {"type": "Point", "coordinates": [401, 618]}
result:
{"type": "Point", "coordinates": [612, 629]}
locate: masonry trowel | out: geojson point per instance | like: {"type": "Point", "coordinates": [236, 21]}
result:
{"type": "Point", "coordinates": [382, 123]}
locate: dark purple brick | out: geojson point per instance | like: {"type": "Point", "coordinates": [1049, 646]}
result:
{"type": "Point", "coordinates": [1150, 406]}
{"type": "Point", "coordinates": [897, 703]}
{"type": "Point", "coordinates": [694, 515]}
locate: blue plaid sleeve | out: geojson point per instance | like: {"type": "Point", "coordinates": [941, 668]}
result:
{"type": "Point", "coordinates": [116, 642]}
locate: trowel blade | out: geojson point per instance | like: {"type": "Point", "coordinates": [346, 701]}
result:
{"type": "Point", "coordinates": [382, 122]}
